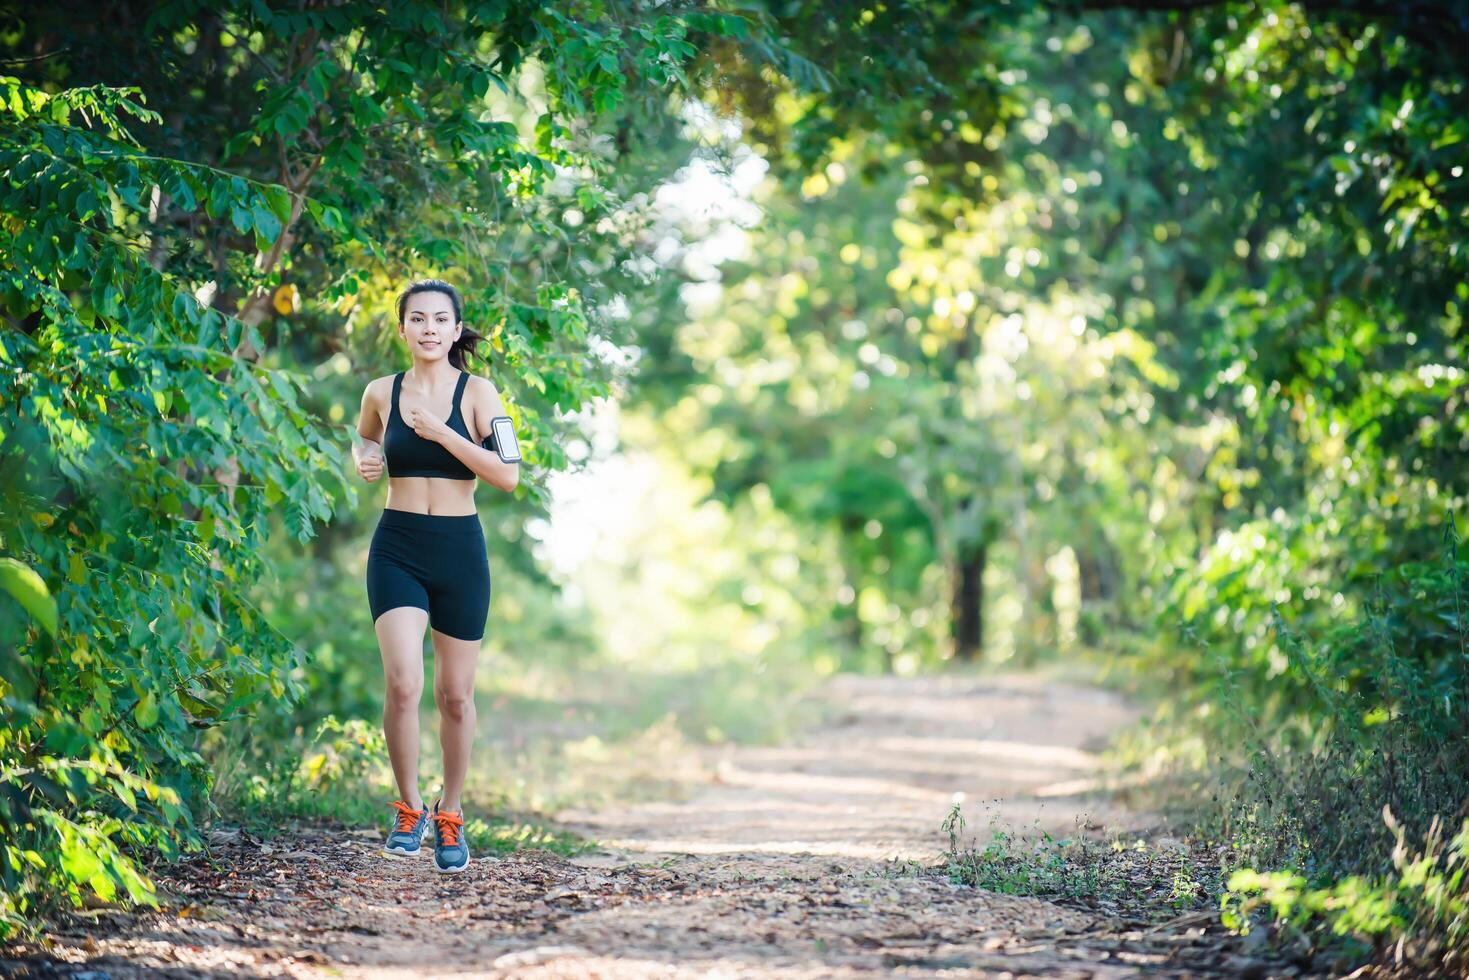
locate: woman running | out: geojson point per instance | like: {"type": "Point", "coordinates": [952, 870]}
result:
{"type": "Point", "coordinates": [427, 564]}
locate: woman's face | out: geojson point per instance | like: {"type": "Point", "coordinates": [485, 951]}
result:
{"type": "Point", "coordinates": [428, 325]}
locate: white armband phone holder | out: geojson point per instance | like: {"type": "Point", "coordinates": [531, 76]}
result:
{"type": "Point", "coordinates": [501, 439]}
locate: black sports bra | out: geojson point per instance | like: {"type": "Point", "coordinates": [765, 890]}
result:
{"type": "Point", "coordinates": [409, 454]}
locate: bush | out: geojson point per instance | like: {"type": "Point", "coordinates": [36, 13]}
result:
{"type": "Point", "coordinates": [1416, 916]}
{"type": "Point", "coordinates": [137, 477]}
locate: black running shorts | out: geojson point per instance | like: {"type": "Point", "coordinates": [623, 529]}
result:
{"type": "Point", "coordinates": [436, 562]}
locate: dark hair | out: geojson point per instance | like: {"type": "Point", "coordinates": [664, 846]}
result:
{"type": "Point", "coordinates": [468, 337]}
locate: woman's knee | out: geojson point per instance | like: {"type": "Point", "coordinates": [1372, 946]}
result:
{"type": "Point", "coordinates": [403, 693]}
{"type": "Point", "coordinates": [455, 704]}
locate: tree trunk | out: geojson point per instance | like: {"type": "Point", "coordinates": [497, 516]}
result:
{"type": "Point", "coordinates": [1096, 573]}
{"type": "Point", "coordinates": [851, 628]}
{"type": "Point", "coordinates": [968, 603]}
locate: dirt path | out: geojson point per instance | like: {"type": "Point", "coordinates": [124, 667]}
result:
{"type": "Point", "coordinates": [876, 781]}
{"type": "Point", "coordinates": [812, 859]}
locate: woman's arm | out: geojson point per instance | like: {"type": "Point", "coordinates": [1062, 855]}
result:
{"type": "Point", "coordinates": [484, 399]}
{"type": "Point", "coordinates": [368, 457]}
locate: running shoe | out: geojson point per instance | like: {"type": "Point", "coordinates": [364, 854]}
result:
{"type": "Point", "coordinates": [406, 837]}
{"type": "Point", "coordinates": [450, 851]}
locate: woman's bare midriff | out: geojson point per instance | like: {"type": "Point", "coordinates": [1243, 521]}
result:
{"type": "Point", "coordinates": [431, 495]}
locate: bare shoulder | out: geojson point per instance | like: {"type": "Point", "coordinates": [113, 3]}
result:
{"type": "Point", "coordinates": [377, 389]}
{"type": "Point", "coordinates": [484, 392]}
{"type": "Point", "coordinates": [481, 383]}
{"type": "Point", "coordinates": [376, 395]}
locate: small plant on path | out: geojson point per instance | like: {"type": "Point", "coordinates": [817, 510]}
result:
{"type": "Point", "coordinates": [1143, 879]}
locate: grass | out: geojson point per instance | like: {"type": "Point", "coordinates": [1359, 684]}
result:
{"type": "Point", "coordinates": [337, 782]}
{"type": "Point", "coordinates": [1141, 880]}
{"type": "Point", "coordinates": [496, 834]}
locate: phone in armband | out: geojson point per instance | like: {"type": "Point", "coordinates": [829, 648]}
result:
{"type": "Point", "coordinates": [501, 439]}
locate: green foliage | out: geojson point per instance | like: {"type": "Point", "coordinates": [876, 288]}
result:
{"type": "Point", "coordinates": [1323, 716]}
{"type": "Point", "coordinates": [134, 630]}
{"type": "Point", "coordinates": [339, 777]}
{"type": "Point", "coordinates": [1264, 205]}
{"type": "Point", "coordinates": [1420, 906]}
{"type": "Point", "coordinates": [159, 238]}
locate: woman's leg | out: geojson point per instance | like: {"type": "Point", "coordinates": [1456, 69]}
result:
{"type": "Point", "coordinates": [459, 605]}
{"type": "Point", "coordinates": [400, 637]}
{"type": "Point", "coordinates": [454, 665]}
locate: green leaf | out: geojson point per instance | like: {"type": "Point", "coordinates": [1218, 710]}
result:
{"type": "Point", "coordinates": [125, 794]}
{"type": "Point", "coordinates": [198, 706]}
{"type": "Point", "coordinates": [266, 223]}
{"type": "Point", "coordinates": [240, 217]}
{"type": "Point", "coordinates": [146, 712]}
{"type": "Point", "coordinates": [279, 200]}
{"type": "Point", "coordinates": [29, 589]}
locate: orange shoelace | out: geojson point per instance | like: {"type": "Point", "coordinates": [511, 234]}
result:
{"type": "Point", "coordinates": [449, 822]}
{"type": "Point", "coordinates": [407, 817]}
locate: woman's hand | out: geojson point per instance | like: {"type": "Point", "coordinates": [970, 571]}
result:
{"type": "Point", "coordinates": [427, 425]}
{"type": "Point", "coordinates": [370, 465]}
